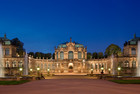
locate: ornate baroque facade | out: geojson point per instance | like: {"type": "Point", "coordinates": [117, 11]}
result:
{"type": "Point", "coordinates": [71, 57]}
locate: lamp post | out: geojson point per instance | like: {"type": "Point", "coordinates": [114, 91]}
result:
{"type": "Point", "coordinates": [31, 71]}
{"type": "Point", "coordinates": [102, 68]}
{"type": "Point", "coordinates": [48, 70]}
{"type": "Point", "coordinates": [92, 72]}
{"type": "Point", "coordinates": [20, 69]}
{"type": "Point", "coordinates": [119, 69]}
{"type": "Point", "coordinates": [109, 70]}
{"type": "Point", "coordinates": [38, 69]}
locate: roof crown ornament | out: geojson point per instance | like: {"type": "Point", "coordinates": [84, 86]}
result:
{"type": "Point", "coordinates": [70, 39]}
{"type": "Point", "coordinates": [5, 36]}
{"type": "Point", "coordinates": [134, 36]}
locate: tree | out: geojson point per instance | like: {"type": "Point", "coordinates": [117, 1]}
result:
{"type": "Point", "coordinates": [94, 55]}
{"type": "Point", "coordinates": [113, 49]}
{"type": "Point", "coordinates": [53, 56]}
{"type": "Point", "coordinates": [16, 42]}
{"type": "Point", "coordinates": [48, 55]}
{"type": "Point", "coordinates": [31, 53]}
{"type": "Point", "coordinates": [89, 56]}
{"type": "Point", "coordinates": [100, 55]}
{"type": "Point", "coordinates": [37, 54]}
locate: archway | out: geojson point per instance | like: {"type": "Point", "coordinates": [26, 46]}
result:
{"type": "Point", "coordinates": [70, 67]}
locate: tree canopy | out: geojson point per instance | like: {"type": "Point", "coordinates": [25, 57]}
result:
{"type": "Point", "coordinates": [113, 49]}
{"type": "Point", "coordinates": [42, 55]}
{"type": "Point", "coordinates": [16, 42]}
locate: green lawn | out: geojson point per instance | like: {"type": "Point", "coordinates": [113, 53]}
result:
{"type": "Point", "coordinates": [13, 82]}
{"type": "Point", "coordinates": [126, 81]}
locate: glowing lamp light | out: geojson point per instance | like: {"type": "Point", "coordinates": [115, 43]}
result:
{"type": "Point", "coordinates": [20, 69]}
{"type": "Point", "coordinates": [31, 69]}
{"type": "Point", "coordinates": [38, 69]}
{"type": "Point", "coordinates": [48, 69]}
{"type": "Point", "coordinates": [119, 68]}
{"type": "Point", "coordinates": [102, 68]}
{"type": "Point", "coordinates": [109, 69]}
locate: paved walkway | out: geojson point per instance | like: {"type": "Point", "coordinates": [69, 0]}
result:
{"type": "Point", "coordinates": [70, 86]}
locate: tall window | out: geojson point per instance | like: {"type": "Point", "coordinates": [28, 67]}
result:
{"type": "Point", "coordinates": [100, 66]}
{"type": "Point", "coordinates": [61, 55]}
{"type": "Point", "coordinates": [7, 64]}
{"type": "Point", "coordinates": [133, 51]}
{"type": "Point", "coordinates": [83, 55]}
{"type": "Point", "coordinates": [14, 64]}
{"type": "Point", "coordinates": [79, 55]}
{"type": "Point", "coordinates": [96, 66]}
{"type": "Point", "coordinates": [70, 55]}
{"type": "Point", "coordinates": [7, 51]}
{"type": "Point", "coordinates": [133, 64]}
{"type": "Point", "coordinates": [57, 55]}
{"type": "Point", "coordinates": [45, 66]}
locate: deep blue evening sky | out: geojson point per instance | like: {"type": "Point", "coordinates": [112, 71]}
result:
{"type": "Point", "coordinates": [43, 24]}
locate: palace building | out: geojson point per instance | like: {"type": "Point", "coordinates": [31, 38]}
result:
{"type": "Point", "coordinates": [71, 57]}
{"type": "Point", "coordinates": [11, 60]}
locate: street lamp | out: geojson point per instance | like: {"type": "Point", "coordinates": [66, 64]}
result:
{"type": "Point", "coordinates": [109, 70]}
{"type": "Point", "coordinates": [20, 69]}
{"type": "Point", "coordinates": [31, 71]}
{"type": "Point", "coordinates": [102, 68]}
{"type": "Point", "coordinates": [48, 71]}
{"type": "Point", "coordinates": [119, 69]}
{"type": "Point", "coordinates": [38, 69]}
{"type": "Point", "coordinates": [91, 72]}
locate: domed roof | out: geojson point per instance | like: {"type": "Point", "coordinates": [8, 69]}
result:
{"type": "Point", "coordinates": [63, 45]}
{"type": "Point", "coordinates": [133, 41]}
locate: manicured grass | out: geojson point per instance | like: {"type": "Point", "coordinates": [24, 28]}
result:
{"type": "Point", "coordinates": [13, 82]}
{"type": "Point", "coordinates": [126, 81]}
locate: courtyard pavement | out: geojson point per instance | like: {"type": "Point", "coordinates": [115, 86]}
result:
{"type": "Point", "coordinates": [70, 86]}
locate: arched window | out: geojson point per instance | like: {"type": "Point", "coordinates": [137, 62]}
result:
{"type": "Point", "coordinates": [57, 55]}
{"type": "Point", "coordinates": [79, 55]}
{"type": "Point", "coordinates": [14, 64]}
{"type": "Point", "coordinates": [45, 66]}
{"type": "Point", "coordinates": [100, 66]}
{"type": "Point", "coordinates": [83, 55]}
{"type": "Point", "coordinates": [133, 64]}
{"type": "Point", "coordinates": [96, 66]}
{"type": "Point", "coordinates": [133, 51]}
{"type": "Point", "coordinates": [70, 55]}
{"type": "Point", "coordinates": [42, 66]}
{"type": "Point", "coordinates": [126, 64]}
{"type": "Point", "coordinates": [61, 55]}
{"type": "Point", "coordinates": [7, 51]}
{"type": "Point", "coordinates": [7, 64]}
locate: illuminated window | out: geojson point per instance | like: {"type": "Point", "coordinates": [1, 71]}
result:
{"type": "Point", "coordinates": [126, 64]}
{"type": "Point", "coordinates": [14, 64]}
{"type": "Point", "coordinates": [133, 64]}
